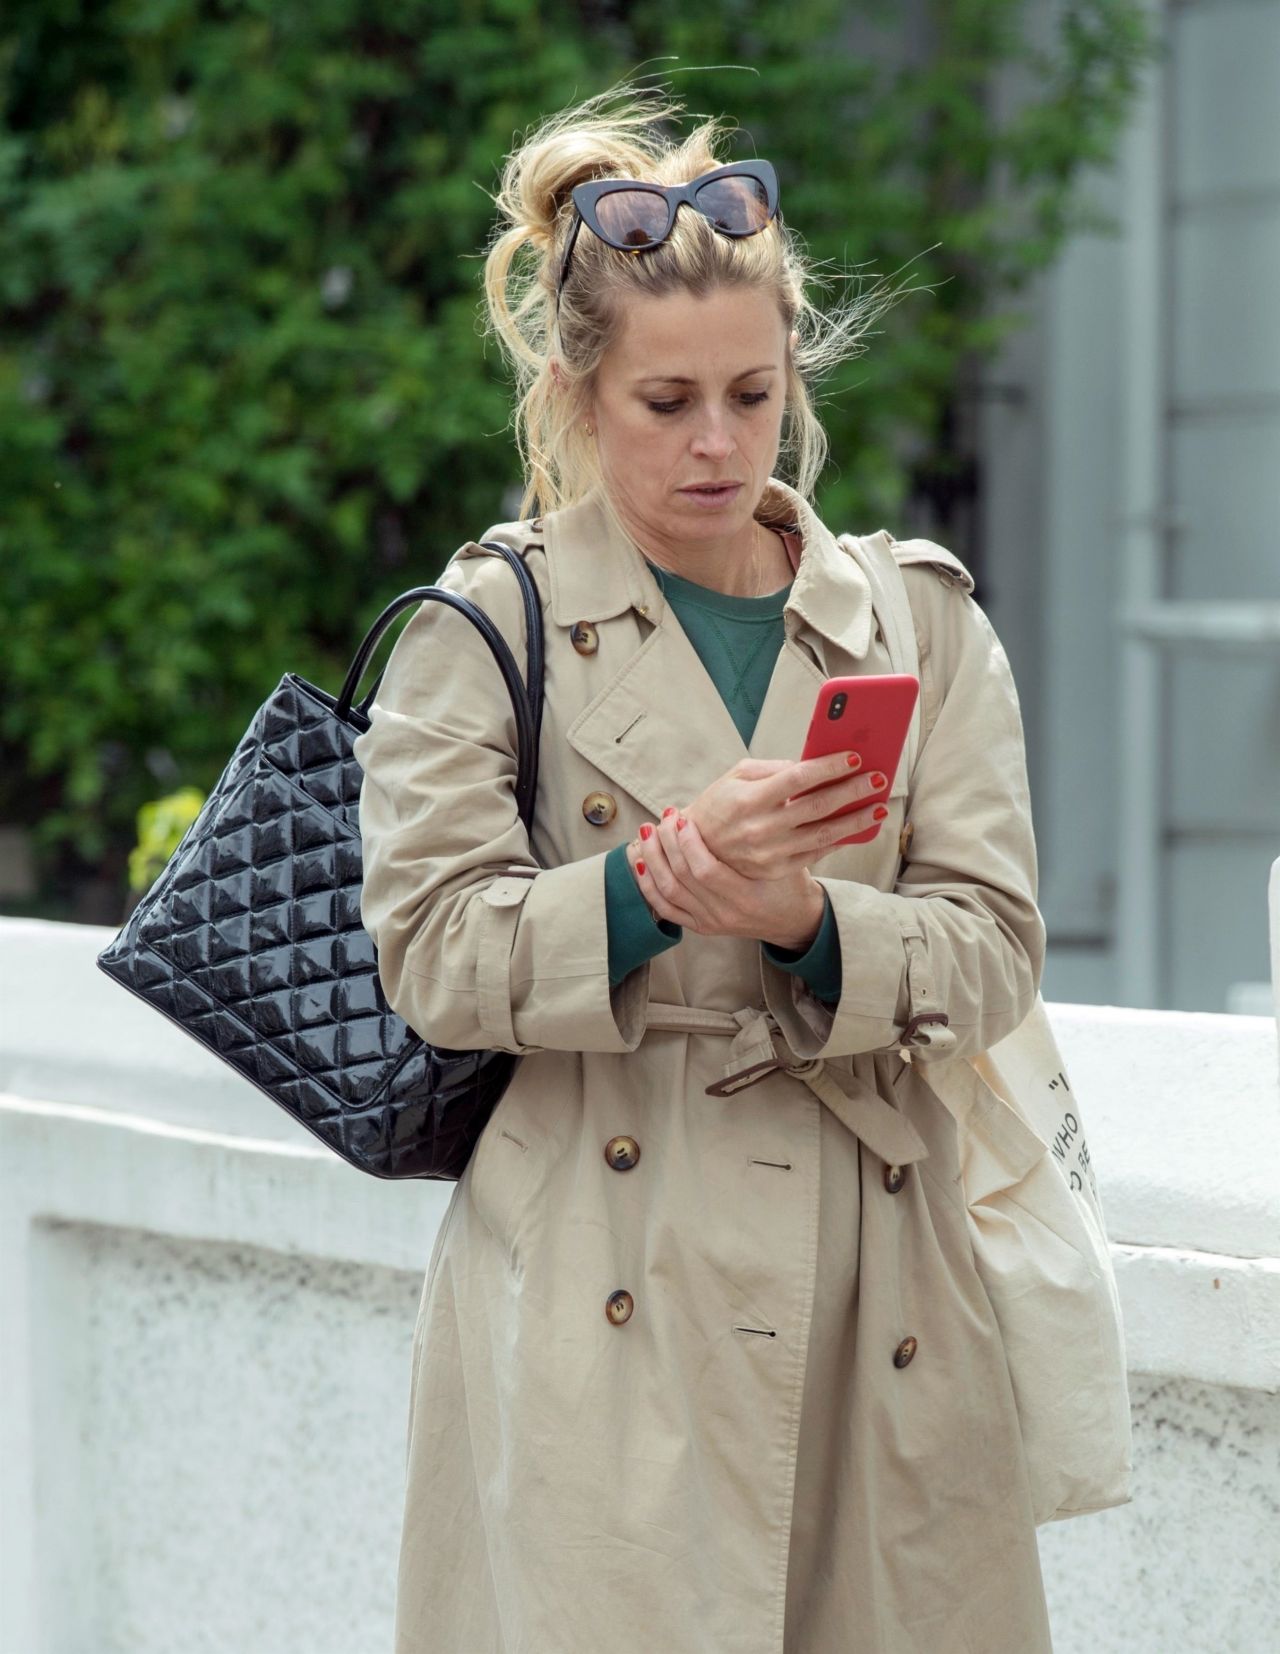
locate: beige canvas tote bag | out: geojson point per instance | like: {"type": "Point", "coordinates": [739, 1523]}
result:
{"type": "Point", "coordinates": [1035, 1216]}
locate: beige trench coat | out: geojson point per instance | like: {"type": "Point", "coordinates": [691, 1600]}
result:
{"type": "Point", "coordinates": [695, 1373]}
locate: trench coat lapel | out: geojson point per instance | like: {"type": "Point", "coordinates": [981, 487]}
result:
{"type": "Point", "coordinates": [657, 726]}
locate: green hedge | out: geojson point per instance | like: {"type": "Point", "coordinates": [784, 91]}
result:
{"type": "Point", "coordinates": [244, 397]}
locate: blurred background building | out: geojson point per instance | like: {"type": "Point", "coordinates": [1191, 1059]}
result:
{"type": "Point", "coordinates": [1132, 450]}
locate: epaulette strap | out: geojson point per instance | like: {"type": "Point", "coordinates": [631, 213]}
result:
{"type": "Point", "coordinates": [951, 571]}
{"type": "Point", "coordinates": [519, 536]}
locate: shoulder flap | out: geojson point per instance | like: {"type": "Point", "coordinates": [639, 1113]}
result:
{"type": "Point", "coordinates": [951, 571]}
{"type": "Point", "coordinates": [520, 535]}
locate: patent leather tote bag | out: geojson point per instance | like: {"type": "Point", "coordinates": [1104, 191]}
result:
{"type": "Point", "coordinates": [251, 939]}
{"type": "Point", "coordinates": [1034, 1213]}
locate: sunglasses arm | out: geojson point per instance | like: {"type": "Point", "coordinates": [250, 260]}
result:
{"type": "Point", "coordinates": [568, 254]}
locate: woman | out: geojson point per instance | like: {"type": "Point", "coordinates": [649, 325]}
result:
{"type": "Point", "coordinates": [702, 1364]}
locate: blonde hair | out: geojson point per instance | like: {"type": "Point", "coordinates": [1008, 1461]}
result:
{"type": "Point", "coordinates": [589, 142]}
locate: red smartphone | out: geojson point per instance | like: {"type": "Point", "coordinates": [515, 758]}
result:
{"type": "Point", "coordinates": [870, 716]}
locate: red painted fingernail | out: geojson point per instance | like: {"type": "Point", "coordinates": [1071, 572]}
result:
{"type": "Point", "coordinates": [879, 813]}
{"type": "Point", "coordinates": [669, 811]}
{"type": "Point", "coordinates": [639, 867]}
{"type": "Point", "coordinates": [877, 780]}
{"type": "Point", "coordinates": [854, 760]}
{"type": "Point", "coordinates": [645, 830]}
{"type": "Point", "coordinates": [680, 821]}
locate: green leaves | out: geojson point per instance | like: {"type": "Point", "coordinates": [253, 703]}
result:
{"type": "Point", "coordinates": [244, 398]}
{"type": "Point", "coordinates": [161, 826]}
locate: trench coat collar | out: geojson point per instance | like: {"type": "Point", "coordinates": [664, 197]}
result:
{"type": "Point", "coordinates": [597, 570]}
{"type": "Point", "coordinates": [657, 727]}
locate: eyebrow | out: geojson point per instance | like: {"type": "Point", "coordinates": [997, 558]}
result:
{"type": "Point", "coordinates": [676, 379]}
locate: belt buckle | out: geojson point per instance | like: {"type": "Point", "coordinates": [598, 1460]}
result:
{"type": "Point", "coordinates": [917, 1021]}
{"type": "Point", "coordinates": [727, 1084]}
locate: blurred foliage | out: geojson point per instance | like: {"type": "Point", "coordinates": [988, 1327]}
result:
{"type": "Point", "coordinates": [243, 394]}
{"type": "Point", "coordinates": [161, 825]}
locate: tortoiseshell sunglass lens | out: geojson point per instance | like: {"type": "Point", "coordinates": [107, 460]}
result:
{"type": "Point", "coordinates": [738, 203]}
{"type": "Point", "coordinates": [636, 218]}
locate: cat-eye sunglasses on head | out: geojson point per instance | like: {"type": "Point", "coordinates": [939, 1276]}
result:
{"type": "Point", "coordinates": [740, 199]}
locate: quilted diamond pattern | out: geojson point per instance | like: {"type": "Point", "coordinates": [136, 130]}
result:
{"type": "Point", "coordinates": [251, 941]}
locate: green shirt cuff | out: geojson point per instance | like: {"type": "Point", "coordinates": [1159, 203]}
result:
{"type": "Point", "coordinates": [819, 964]}
{"type": "Point", "coordinates": [634, 934]}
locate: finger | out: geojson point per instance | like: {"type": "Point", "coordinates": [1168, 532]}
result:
{"type": "Point", "coordinates": [756, 769]}
{"type": "Point", "coordinates": [857, 789]}
{"type": "Point", "coordinates": [700, 872]}
{"type": "Point", "coordinates": [826, 834]}
{"type": "Point", "coordinates": [648, 854]}
{"type": "Point", "coordinates": [807, 773]}
{"type": "Point", "coordinates": [644, 865]}
{"type": "Point", "coordinates": [646, 851]}
{"type": "Point", "coordinates": [671, 836]}
{"type": "Point", "coordinates": [636, 853]}
{"type": "Point", "coordinates": [706, 870]}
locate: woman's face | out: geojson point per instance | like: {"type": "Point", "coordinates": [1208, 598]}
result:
{"type": "Point", "coordinates": [691, 392]}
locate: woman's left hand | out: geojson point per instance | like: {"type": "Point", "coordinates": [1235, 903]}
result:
{"type": "Point", "coordinates": [685, 884]}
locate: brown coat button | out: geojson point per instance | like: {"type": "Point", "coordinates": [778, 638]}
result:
{"type": "Point", "coordinates": [904, 1352]}
{"type": "Point", "coordinates": [904, 837]}
{"type": "Point", "coordinates": [599, 808]}
{"type": "Point", "coordinates": [622, 1153]}
{"type": "Point", "coordinates": [894, 1178]}
{"type": "Point", "coordinates": [584, 637]}
{"type": "Point", "coordinates": [618, 1306]}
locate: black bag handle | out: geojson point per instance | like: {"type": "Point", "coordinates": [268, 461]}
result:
{"type": "Point", "coordinates": [526, 696]}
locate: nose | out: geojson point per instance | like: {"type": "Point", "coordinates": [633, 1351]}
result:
{"type": "Point", "coordinates": [713, 439]}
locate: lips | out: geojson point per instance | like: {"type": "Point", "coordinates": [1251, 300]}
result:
{"type": "Point", "coordinates": [709, 487]}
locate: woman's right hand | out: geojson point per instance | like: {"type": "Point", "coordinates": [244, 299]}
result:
{"type": "Point", "coordinates": [752, 818]}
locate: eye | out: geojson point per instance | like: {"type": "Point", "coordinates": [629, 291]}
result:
{"type": "Point", "coordinates": [752, 399]}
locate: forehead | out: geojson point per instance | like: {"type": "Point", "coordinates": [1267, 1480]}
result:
{"type": "Point", "coordinates": [720, 335]}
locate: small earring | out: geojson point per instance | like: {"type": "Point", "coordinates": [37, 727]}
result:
{"type": "Point", "coordinates": [588, 430]}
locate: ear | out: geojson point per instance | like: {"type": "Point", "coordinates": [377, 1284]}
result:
{"type": "Point", "coordinates": [795, 338]}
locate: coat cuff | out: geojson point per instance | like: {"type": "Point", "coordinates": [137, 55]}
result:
{"type": "Point", "coordinates": [635, 936]}
{"type": "Point", "coordinates": [819, 964]}
{"type": "Point", "coordinates": [888, 999]}
{"type": "Point", "coordinates": [539, 945]}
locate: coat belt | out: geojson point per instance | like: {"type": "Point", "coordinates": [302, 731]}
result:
{"type": "Point", "coordinates": [760, 1048]}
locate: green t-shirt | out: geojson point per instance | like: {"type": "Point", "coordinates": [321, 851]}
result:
{"type": "Point", "coordinates": [737, 640]}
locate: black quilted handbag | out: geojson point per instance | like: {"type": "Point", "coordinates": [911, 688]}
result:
{"type": "Point", "coordinates": [251, 939]}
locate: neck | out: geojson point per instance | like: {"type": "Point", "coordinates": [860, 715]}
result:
{"type": "Point", "coordinates": [750, 570]}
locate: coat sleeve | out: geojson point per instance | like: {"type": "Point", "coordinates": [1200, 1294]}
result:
{"type": "Point", "coordinates": [819, 963]}
{"type": "Point", "coordinates": [961, 931]}
{"type": "Point", "coordinates": [478, 947]}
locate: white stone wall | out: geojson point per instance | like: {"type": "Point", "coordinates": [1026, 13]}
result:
{"type": "Point", "coordinates": [207, 1317]}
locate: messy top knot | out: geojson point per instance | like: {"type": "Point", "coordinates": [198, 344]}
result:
{"type": "Point", "coordinates": [522, 264]}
